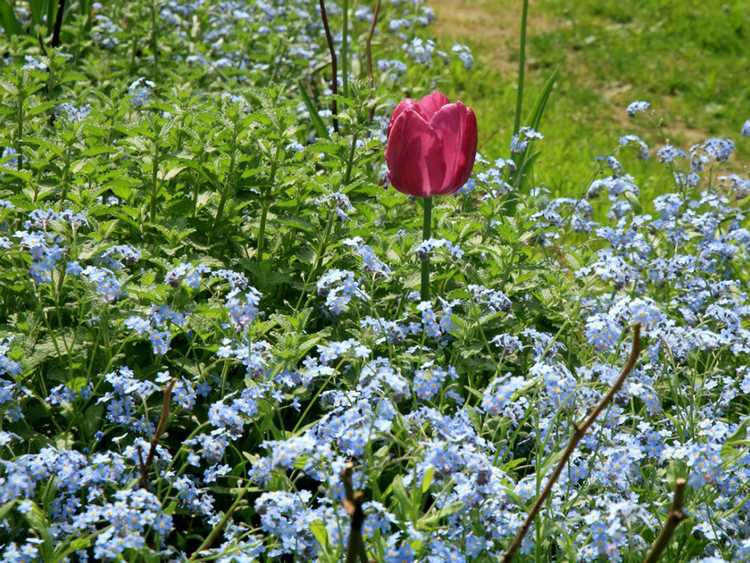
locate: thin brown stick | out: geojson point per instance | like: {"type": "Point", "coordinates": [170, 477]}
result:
{"type": "Point", "coordinates": [353, 506]}
{"type": "Point", "coordinates": [580, 431]}
{"type": "Point", "coordinates": [370, 71]}
{"type": "Point", "coordinates": [373, 25]}
{"type": "Point", "coordinates": [676, 515]}
{"type": "Point", "coordinates": [334, 66]}
{"type": "Point", "coordinates": [160, 428]}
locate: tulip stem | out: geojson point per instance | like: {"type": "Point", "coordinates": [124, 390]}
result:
{"type": "Point", "coordinates": [426, 235]}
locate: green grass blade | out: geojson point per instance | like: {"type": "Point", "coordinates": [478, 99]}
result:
{"type": "Point", "coordinates": [523, 163]}
{"type": "Point", "coordinates": [320, 127]}
{"type": "Point", "coordinates": [521, 67]}
{"type": "Point", "coordinates": [8, 19]}
{"type": "Point", "coordinates": [51, 13]}
{"type": "Point", "coordinates": [541, 103]}
{"type": "Point", "coordinates": [38, 9]}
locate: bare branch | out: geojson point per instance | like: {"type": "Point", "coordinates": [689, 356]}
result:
{"type": "Point", "coordinates": [353, 506]}
{"type": "Point", "coordinates": [676, 515]}
{"type": "Point", "coordinates": [58, 23]}
{"type": "Point", "coordinates": [160, 428]}
{"type": "Point", "coordinates": [580, 431]}
{"type": "Point", "coordinates": [370, 72]}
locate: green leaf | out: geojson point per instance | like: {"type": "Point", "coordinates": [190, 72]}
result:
{"type": "Point", "coordinates": [8, 19]}
{"type": "Point", "coordinates": [38, 8]}
{"type": "Point", "coordinates": [433, 521]}
{"type": "Point", "coordinates": [427, 479]}
{"type": "Point", "coordinates": [319, 530]}
{"type": "Point", "coordinates": [77, 544]}
{"type": "Point", "coordinates": [37, 520]}
{"type": "Point", "coordinates": [4, 509]}
{"type": "Point", "coordinates": [523, 164]}
{"type": "Point", "coordinates": [172, 173]}
{"type": "Point", "coordinates": [41, 108]}
{"type": "Point", "coordinates": [541, 103]}
{"type": "Point", "coordinates": [97, 150]}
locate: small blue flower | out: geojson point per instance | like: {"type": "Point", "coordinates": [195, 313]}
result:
{"type": "Point", "coordinates": [637, 107]}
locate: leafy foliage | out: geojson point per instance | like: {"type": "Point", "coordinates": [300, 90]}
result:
{"type": "Point", "coordinates": [209, 306]}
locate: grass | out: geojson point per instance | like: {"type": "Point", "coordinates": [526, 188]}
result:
{"type": "Point", "coordinates": [685, 57]}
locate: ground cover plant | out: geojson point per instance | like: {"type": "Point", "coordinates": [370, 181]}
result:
{"type": "Point", "coordinates": [213, 339]}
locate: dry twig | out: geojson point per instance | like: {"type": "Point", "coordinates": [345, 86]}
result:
{"type": "Point", "coordinates": [580, 431]}
{"type": "Point", "coordinates": [370, 72]}
{"type": "Point", "coordinates": [160, 428]}
{"type": "Point", "coordinates": [675, 516]}
{"type": "Point", "coordinates": [353, 506]}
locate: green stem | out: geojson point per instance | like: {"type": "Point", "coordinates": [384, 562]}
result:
{"type": "Point", "coordinates": [521, 67]}
{"type": "Point", "coordinates": [211, 538]}
{"type": "Point", "coordinates": [350, 160]}
{"type": "Point", "coordinates": [154, 42]}
{"type": "Point", "coordinates": [266, 203]}
{"type": "Point", "coordinates": [345, 48]}
{"type": "Point", "coordinates": [154, 180]}
{"type": "Point", "coordinates": [229, 181]}
{"type": "Point", "coordinates": [262, 231]}
{"type": "Point", "coordinates": [426, 235]}
{"type": "Point", "coordinates": [66, 170]}
{"type": "Point", "coordinates": [19, 121]}
{"type": "Point", "coordinates": [319, 256]}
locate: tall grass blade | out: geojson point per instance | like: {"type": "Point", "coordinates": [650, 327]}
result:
{"type": "Point", "coordinates": [521, 67]}
{"type": "Point", "coordinates": [8, 19]}
{"type": "Point", "coordinates": [523, 162]}
{"type": "Point", "coordinates": [320, 127]}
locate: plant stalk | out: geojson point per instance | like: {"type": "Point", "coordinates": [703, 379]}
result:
{"type": "Point", "coordinates": [345, 47]}
{"type": "Point", "coordinates": [676, 515]}
{"type": "Point", "coordinates": [154, 42]}
{"type": "Point", "coordinates": [211, 538]}
{"type": "Point", "coordinates": [154, 182]}
{"type": "Point", "coordinates": [266, 205]}
{"type": "Point", "coordinates": [355, 549]}
{"type": "Point", "coordinates": [521, 68]}
{"type": "Point", "coordinates": [426, 235]}
{"type": "Point", "coordinates": [368, 50]}
{"type": "Point", "coordinates": [229, 182]}
{"type": "Point", "coordinates": [19, 120]}
{"type": "Point", "coordinates": [160, 428]}
{"type": "Point", "coordinates": [58, 23]}
{"type": "Point", "coordinates": [334, 65]}
{"type": "Point", "coordinates": [262, 231]}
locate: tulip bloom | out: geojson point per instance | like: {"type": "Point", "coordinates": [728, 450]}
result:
{"type": "Point", "coordinates": [431, 147]}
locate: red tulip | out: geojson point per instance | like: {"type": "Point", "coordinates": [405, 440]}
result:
{"type": "Point", "coordinates": [431, 146]}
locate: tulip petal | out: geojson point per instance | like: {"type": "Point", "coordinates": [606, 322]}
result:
{"type": "Point", "coordinates": [431, 103]}
{"type": "Point", "coordinates": [456, 125]}
{"type": "Point", "coordinates": [414, 155]}
{"type": "Point", "coordinates": [405, 104]}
